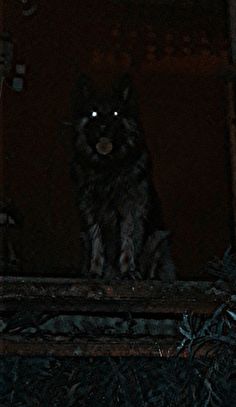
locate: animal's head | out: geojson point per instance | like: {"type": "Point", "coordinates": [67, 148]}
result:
{"type": "Point", "coordinates": [106, 126]}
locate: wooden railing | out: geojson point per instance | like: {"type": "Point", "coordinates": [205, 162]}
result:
{"type": "Point", "coordinates": [120, 319]}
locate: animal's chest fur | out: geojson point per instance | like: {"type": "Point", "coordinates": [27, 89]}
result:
{"type": "Point", "coordinates": [108, 201]}
{"type": "Point", "coordinates": [111, 197]}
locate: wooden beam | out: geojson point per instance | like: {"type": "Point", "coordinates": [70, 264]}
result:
{"type": "Point", "coordinates": [232, 24]}
{"type": "Point", "coordinates": [231, 106]}
{"type": "Point", "coordinates": [73, 295]}
{"type": "Point", "coordinates": [1, 111]}
{"type": "Point", "coordinates": [19, 294]}
{"type": "Point", "coordinates": [86, 347]}
{"type": "Point", "coordinates": [65, 347]}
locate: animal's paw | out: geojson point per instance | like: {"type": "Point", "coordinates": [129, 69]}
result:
{"type": "Point", "coordinates": [167, 271]}
{"type": "Point", "coordinates": [127, 264]}
{"type": "Point", "coordinates": [96, 267]}
{"type": "Point", "coordinates": [132, 275]}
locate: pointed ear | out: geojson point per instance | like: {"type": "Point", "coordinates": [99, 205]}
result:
{"type": "Point", "coordinates": [84, 86]}
{"type": "Point", "coordinates": [123, 87]}
{"type": "Point", "coordinates": [81, 93]}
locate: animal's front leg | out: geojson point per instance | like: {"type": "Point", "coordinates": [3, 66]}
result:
{"type": "Point", "coordinates": [97, 258]}
{"type": "Point", "coordinates": [127, 262]}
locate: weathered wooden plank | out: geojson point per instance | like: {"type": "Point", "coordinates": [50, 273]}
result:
{"type": "Point", "coordinates": [232, 26]}
{"type": "Point", "coordinates": [86, 347]}
{"type": "Point", "coordinates": [232, 141]}
{"type": "Point", "coordinates": [1, 111]}
{"type": "Point", "coordinates": [231, 104]}
{"type": "Point", "coordinates": [73, 295]}
{"type": "Point", "coordinates": [64, 347]}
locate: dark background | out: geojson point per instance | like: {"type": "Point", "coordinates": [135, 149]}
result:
{"type": "Point", "coordinates": [176, 52]}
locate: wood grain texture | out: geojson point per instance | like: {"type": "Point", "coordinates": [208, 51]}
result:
{"type": "Point", "coordinates": [231, 104]}
{"type": "Point", "coordinates": [13, 345]}
{"type": "Point", "coordinates": [1, 110]}
{"type": "Point", "coordinates": [71, 317]}
{"type": "Point", "coordinates": [52, 294]}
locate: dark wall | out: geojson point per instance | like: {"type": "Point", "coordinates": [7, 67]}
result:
{"type": "Point", "coordinates": [175, 54]}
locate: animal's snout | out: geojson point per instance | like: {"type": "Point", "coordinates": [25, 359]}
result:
{"type": "Point", "coordinates": [104, 146]}
{"type": "Point", "coordinates": [103, 127]}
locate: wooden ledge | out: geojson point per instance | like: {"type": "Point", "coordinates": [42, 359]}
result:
{"type": "Point", "coordinates": [87, 347]}
{"type": "Point", "coordinates": [24, 300]}
{"type": "Point", "coordinates": [74, 295]}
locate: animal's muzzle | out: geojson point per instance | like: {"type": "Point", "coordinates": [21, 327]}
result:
{"type": "Point", "coordinates": [104, 146]}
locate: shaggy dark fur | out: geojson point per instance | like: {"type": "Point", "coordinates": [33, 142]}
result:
{"type": "Point", "coordinates": [122, 228]}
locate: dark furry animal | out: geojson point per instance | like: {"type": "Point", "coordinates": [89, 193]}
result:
{"type": "Point", "coordinates": [122, 229]}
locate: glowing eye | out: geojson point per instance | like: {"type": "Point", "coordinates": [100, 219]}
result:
{"type": "Point", "coordinates": [115, 113]}
{"type": "Point", "coordinates": [94, 114]}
